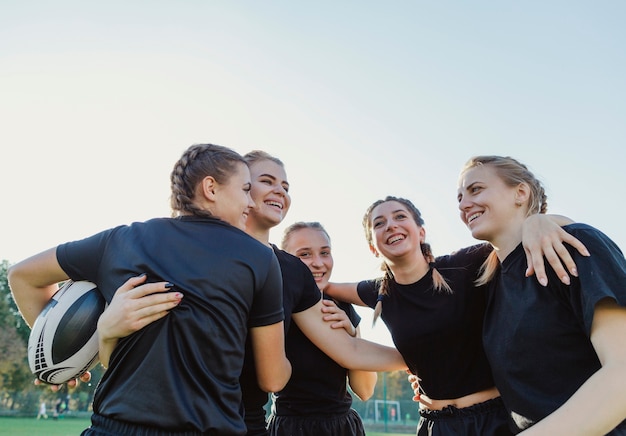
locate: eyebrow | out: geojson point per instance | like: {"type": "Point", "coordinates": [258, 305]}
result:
{"type": "Point", "coordinates": [393, 211]}
{"type": "Point", "coordinates": [273, 178]}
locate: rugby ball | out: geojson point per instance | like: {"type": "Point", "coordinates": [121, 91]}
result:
{"type": "Point", "coordinates": [63, 342]}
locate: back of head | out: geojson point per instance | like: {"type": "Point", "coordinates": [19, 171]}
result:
{"type": "Point", "coordinates": [196, 163]}
{"type": "Point", "coordinates": [512, 172]}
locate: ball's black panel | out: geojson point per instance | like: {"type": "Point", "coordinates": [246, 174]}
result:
{"type": "Point", "coordinates": [77, 326]}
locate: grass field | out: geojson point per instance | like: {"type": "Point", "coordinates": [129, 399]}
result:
{"type": "Point", "coordinates": [43, 427]}
{"type": "Point", "coordinates": [72, 427]}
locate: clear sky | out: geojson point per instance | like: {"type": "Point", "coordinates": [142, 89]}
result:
{"type": "Point", "coordinates": [360, 99]}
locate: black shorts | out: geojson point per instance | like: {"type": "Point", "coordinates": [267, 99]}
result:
{"type": "Point", "coordinates": [348, 424]}
{"type": "Point", "coordinates": [482, 419]}
{"type": "Point", "coordinates": [101, 426]}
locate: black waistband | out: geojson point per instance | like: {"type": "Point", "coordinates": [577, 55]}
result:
{"type": "Point", "coordinates": [453, 412]}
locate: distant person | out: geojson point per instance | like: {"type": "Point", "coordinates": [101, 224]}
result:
{"type": "Point", "coordinates": [435, 315]}
{"type": "Point", "coordinates": [180, 374]}
{"type": "Point", "coordinates": [42, 411]}
{"type": "Point", "coordinates": [316, 400]}
{"type": "Point", "coordinates": [558, 353]}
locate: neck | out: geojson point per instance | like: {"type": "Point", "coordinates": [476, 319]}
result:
{"type": "Point", "coordinates": [406, 273]}
{"type": "Point", "coordinates": [261, 235]}
{"type": "Point", "coordinates": [505, 244]}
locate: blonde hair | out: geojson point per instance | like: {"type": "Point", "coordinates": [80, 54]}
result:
{"type": "Point", "coordinates": [439, 282]}
{"type": "Point", "coordinates": [512, 173]}
{"type": "Point", "coordinates": [299, 226]}
{"type": "Point", "coordinates": [255, 156]}
{"type": "Point", "coordinates": [196, 163]}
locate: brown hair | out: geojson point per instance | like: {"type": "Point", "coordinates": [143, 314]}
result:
{"type": "Point", "coordinates": [439, 282]}
{"type": "Point", "coordinates": [299, 226]}
{"type": "Point", "coordinates": [512, 173]}
{"type": "Point", "coordinates": [196, 163]}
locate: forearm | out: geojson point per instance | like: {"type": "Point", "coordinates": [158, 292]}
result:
{"type": "Point", "coordinates": [362, 383]}
{"type": "Point", "coordinates": [596, 408]}
{"type": "Point", "coordinates": [349, 352]}
{"type": "Point", "coordinates": [33, 282]}
{"type": "Point", "coordinates": [105, 349]}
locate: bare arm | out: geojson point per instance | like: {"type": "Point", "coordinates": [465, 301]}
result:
{"type": "Point", "coordinates": [34, 281]}
{"type": "Point", "coordinates": [344, 292]}
{"type": "Point", "coordinates": [273, 370]}
{"type": "Point", "coordinates": [599, 405]}
{"type": "Point", "coordinates": [349, 352]}
{"type": "Point", "coordinates": [542, 235]}
{"type": "Point", "coordinates": [132, 308]}
{"type": "Point", "coordinates": [362, 383]}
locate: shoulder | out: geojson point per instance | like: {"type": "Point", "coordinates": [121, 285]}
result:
{"type": "Point", "coordinates": [475, 254]}
{"type": "Point", "coordinates": [595, 240]}
{"type": "Point", "coordinates": [291, 263]}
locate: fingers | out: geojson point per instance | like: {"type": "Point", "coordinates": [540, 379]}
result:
{"type": "Point", "coordinates": [132, 283]}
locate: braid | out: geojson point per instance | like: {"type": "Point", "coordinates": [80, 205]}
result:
{"type": "Point", "coordinates": [383, 290]}
{"type": "Point", "coordinates": [439, 282]}
{"type": "Point", "coordinates": [196, 163]}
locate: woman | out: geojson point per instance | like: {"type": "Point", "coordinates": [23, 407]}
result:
{"type": "Point", "coordinates": [316, 400]}
{"type": "Point", "coordinates": [181, 373]}
{"type": "Point", "coordinates": [301, 298]}
{"type": "Point", "coordinates": [558, 353]}
{"type": "Point", "coordinates": [435, 315]}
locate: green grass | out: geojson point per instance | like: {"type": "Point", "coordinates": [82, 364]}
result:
{"type": "Point", "coordinates": [43, 427]}
{"type": "Point", "coordinates": [73, 427]}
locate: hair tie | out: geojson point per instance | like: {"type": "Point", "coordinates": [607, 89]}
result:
{"type": "Point", "coordinates": [380, 297]}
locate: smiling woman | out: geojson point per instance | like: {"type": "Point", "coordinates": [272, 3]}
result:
{"type": "Point", "coordinates": [576, 329]}
{"type": "Point", "coordinates": [435, 315]}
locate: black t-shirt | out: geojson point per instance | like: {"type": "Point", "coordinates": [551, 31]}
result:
{"type": "Point", "coordinates": [182, 371]}
{"type": "Point", "coordinates": [439, 333]}
{"type": "Point", "coordinates": [300, 292]}
{"type": "Point", "coordinates": [318, 385]}
{"type": "Point", "coordinates": [537, 338]}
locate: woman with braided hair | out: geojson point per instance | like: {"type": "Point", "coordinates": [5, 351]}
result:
{"type": "Point", "coordinates": [180, 373]}
{"type": "Point", "coordinates": [435, 316]}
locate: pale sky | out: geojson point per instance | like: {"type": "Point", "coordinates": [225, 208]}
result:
{"type": "Point", "coordinates": [360, 99]}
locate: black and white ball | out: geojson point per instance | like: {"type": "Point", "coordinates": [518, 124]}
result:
{"type": "Point", "coordinates": [63, 342]}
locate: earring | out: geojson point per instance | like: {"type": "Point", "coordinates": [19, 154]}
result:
{"type": "Point", "coordinates": [518, 203]}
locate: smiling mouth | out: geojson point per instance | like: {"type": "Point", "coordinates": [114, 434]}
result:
{"type": "Point", "coordinates": [318, 275]}
{"type": "Point", "coordinates": [396, 238]}
{"type": "Point", "coordinates": [473, 216]}
{"type": "Point", "coordinates": [274, 204]}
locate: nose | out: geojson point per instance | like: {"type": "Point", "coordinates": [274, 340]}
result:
{"type": "Point", "coordinates": [280, 190]}
{"type": "Point", "coordinates": [316, 261]}
{"type": "Point", "coordinates": [464, 205]}
{"type": "Point", "coordinates": [251, 203]}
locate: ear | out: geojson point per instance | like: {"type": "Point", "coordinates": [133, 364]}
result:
{"type": "Point", "coordinates": [209, 186]}
{"type": "Point", "coordinates": [373, 250]}
{"type": "Point", "coordinates": [422, 234]}
{"type": "Point", "coordinates": [522, 193]}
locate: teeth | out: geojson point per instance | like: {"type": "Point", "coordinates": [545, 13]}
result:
{"type": "Point", "coordinates": [273, 203]}
{"type": "Point", "coordinates": [318, 275]}
{"type": "Point", "coordinates": [395, 239]}
{"type": "Point", "coordinates": [473, 217]}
